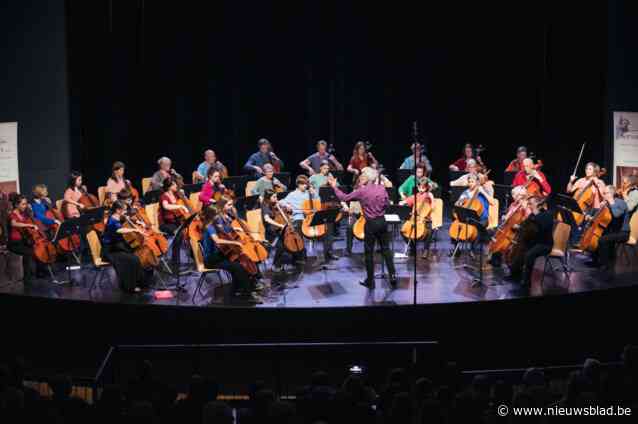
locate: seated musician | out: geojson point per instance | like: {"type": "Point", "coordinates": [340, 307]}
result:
{"type": "Point", "coordinates": [117, 182]}
{"type": "Point", "coordinates": [423, 195]}
{"type": "Point", "coordinates": [164, 172]}
{"type": "Point", "coordinates": [519, 202]}
{"type": "Point", "coordinates": [591, 175]}
{"type": "Point", "coordinates": [212, 186]}
{"type": "Point", "coordinates": [269, 210]}
{"type": "Point", "coordinates": [410, 162]}
{"type": "Point", "coordinates": [255, 163]}
{"type": "Point", "coordinates": [460, 165]}
{"type": "Point", "coordinates": [40, 205]}
{"type": "Point", "coordinates": [296, 198]}
{"type": "Point", "coordinates": [268, 182]}
{"type": "Point", "coordinates": [313, 162]}
{"type": "Point", "coordinates": [72, 196]}
{"type": "Point", "coordinates": [516, 165]}
{"type": "Point", "coordinates": [19, 218]}
{"type": "Point", "coordinates": [622, 209]}
{"type": "Point", "coordinates": [472, 169]}
{"type": "Point", "coordinates": [210, 161]}
{"type": "Point", "coordinates": [360, 159]}
{"type": "Point", "coordinates": [116, 251]}
{"type": "Point", "coordinates": [522, 268]}
{"type": "Point", "coordinates": [407, 187]}
{"type": "Point", "coordinates": [538, 183]}
{"type": "Point", "coordinates": [217, 219]}
{"type": "Point", "coordinates": [170, 210]}
{"type": "Point", "coordinates": [484, 196]}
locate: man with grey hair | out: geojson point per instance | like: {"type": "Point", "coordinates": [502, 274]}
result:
{"type": "Point", "coordinates": [210, 161]}
{"type": "Point", "coordinates": [374, 201]}
{"type": "Point", "coordinates": [165, 171]}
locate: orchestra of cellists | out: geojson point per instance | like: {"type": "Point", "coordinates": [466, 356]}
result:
{"type": "Point", "coordinates": [136, 243]}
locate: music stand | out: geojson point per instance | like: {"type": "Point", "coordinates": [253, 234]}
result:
{"type": "Point", "coordinates": [283, 194]}
{"type": "Point", "coordinates": [192, 188]}
{"type": "Point", "coordinates": [566, 206]}
{"type": "Point", "coordinates": [177, 262]}
{"type": "Point", "coordinates": [338, 174]}
{"type": "Point", "coordinates": [470, 217]}
{"type": "Point", "coordinates": [67, 229]}
{"type": "Point", "coordinates": [327, 194]}
{"type": "Point", "coordinates": [92, 216]}
{"type": "Point", "coordinates": [236, 184]}
{"type": "Point", "coordinates": [508, 177]}
{"type": "Point", "coordinates": [284, 177]}
{"type": "Point", "coordinates": [324, 217]}
{"type": "Point", "coordinates": [151, 197]}
{"type": "Point", "coordinates": [403, 174]}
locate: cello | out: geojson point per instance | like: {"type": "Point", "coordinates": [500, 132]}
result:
{"type": "Point", "coordinates": [292, 240]}
{"type": "Point", "coordinates": [65, 245]}
{"type": "Point", "coordinates": [90, 201]}
{"type": "Point", "coordinates": [507, 231]}
{"type": "Point", "coordinates": [143, 247]}
{"type": "Point", "coordinates": [43, 250]}
{"type": "Point", "coordinates": [415, 228]}
{"type": "Point", "coordinates": [235, 253]}
{"type": "Point", "coordinates": [465, 232]}
{"type": "Point", "coordinates": [585, 197]}
{"type": "Point", "coordinates": [310, 207]}
{"type": "Point", "coordinates": [255, 251]}
{"type": "Point", "coordinates": [595, 228]}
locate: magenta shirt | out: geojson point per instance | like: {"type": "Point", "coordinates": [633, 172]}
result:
{"type": "Point", "coordinates": [373, 198]}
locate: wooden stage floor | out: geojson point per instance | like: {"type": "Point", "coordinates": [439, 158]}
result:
{"type": "Point", "coordinates": [440, 279]}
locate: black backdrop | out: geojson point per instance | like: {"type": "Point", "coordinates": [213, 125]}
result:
{"type": "Point", "coordinates": [153, 78]}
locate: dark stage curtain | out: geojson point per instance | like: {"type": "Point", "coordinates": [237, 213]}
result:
{"type": "Point", "coordinates": [149, 79]}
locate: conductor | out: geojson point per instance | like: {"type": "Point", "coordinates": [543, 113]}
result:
{"type": "Point", "coordinates": [374, 201]}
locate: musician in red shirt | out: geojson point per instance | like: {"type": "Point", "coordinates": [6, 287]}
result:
{"type": "Point", "coordinates": [517, 164]}
{"type": "Point", "coordinates": [460, 165]}
{"type": "Point", "coordinates": [538, 179]}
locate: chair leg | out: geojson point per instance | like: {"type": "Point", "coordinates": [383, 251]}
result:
{"type": "Point", "coordinates": [199, 287]}
{"type": "Point", "coordinates": [547, 262]}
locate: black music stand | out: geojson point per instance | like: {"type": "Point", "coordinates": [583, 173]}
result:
{"type": "Point", "coordinates": [324, 217]}
{"type": "Point", "coordinates": [68, 228]}
{"type": "Point", "coordinates": [508, 177]}
{"type": "Point", "coordinates": [192, 188]}
{"type": "Point", "coordinates": [403, 174]}
{"type": "Point", "coordinates": [177, 261]}
{"type": "Point", "coordinates": [151, 197]}
{"type": "Point", "coordinates": [327, 194]}
{"type": "Point", "coordinates": [284, 177]}
{"type": "Point", "coordinates": [283, 194]}
{"type": "Point", "coordinates": [92, 216]}
{"type": "Point", "coordinates": [236, 184]}
{"type": "Point", "coordinates": [566, 207]}
{"type": "Point", "coordinates": [470, 217]}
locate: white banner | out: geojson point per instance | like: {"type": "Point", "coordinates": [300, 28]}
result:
{"type": "Point", "coordinates": [9, 178]}
{"type": "Point", "coordinates": [625, 145]}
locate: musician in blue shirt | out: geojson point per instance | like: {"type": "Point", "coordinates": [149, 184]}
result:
{"type": "Point", "coordinates": [255, 163]}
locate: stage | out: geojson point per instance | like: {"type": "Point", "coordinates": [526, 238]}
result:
{"type": "Point", "coordinates": [440, 279]}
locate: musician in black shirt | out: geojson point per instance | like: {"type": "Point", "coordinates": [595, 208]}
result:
{"type": "Point", "coordinates": [521, 269]}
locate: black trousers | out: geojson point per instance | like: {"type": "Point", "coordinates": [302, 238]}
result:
{"type": "Point", "coordinates": [525, 264]}
{"type": "Point", "coordinates": [127, 265]}
{"type": "Point", "coordinates": [241, 279]}
{"type": "Point", "coordinates": [28, 260]}
{"type": "Point", "coordinates": [376, 230]}
{"type": "Point", "coordinates": [607, 246]}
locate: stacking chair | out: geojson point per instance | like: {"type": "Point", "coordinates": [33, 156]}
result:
{"type": "Point", "coordinates": [201, 268]}
{"type": "Point", "coordinates": [559, 252]}
{"type": "Point", "coordinates": [99, 265]}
